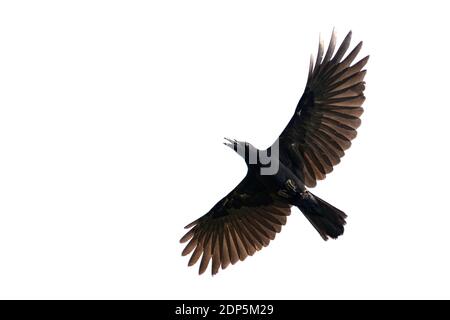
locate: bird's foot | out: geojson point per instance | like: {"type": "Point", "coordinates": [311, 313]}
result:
{"type": "Point", "coordinates": [305, 195]}
{"type": "Point", "coordinates": [283, 193]}
{"type": "Point", "coordinates": [289, 189]}
{"type": "Point", "coordinates": [290, 185]}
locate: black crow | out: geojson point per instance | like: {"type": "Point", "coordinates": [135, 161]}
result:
{"type": "Point", "coordinates": [315, 139]}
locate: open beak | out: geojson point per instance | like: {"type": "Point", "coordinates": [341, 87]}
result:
{"type": "Point", "coordinates": [231, 143]}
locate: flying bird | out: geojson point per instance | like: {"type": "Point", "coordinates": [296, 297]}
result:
{"type": "Point", "coordinates": [313, 142]}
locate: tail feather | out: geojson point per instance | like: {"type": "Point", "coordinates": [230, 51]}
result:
{"type": "Point", "coordinates": [328, 220]}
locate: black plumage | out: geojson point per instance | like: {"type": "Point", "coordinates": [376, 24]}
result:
{"type": "Point", "coordinates": [313, 142]}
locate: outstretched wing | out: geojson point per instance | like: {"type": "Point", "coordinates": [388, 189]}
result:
{"type": "Point", "coordinates": [327, 115]}
{"type": "Point", "coordinates": [240, 224]}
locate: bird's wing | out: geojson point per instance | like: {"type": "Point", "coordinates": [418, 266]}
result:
{"type": "Point", "coordinates": [240, 224]}
{"type": "Point", "coordinates": [327, 115]}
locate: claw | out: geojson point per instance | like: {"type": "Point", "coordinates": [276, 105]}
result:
{"type": "Point", "coordinates": [291, 185]}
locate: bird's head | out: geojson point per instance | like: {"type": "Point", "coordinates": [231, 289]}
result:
{"type": "Point", "coordinates": [245, 149]}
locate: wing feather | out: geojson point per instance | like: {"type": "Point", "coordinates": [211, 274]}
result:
{"type": "Point", "coordinates": [328, 114]}
{"type": "Point", "coordinates": [243, 222]}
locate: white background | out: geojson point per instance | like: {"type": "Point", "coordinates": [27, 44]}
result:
{"type": "Point", "coordinates": [112, 115]}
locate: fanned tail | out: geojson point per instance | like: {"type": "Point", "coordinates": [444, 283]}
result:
{"type": "Point", "coordinates": [328, 220]}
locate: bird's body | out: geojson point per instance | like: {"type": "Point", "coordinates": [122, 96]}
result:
{"type": "Point", "coordinates": [283, 182]}
{"type": "Point", "coordinates": [314, 140]}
